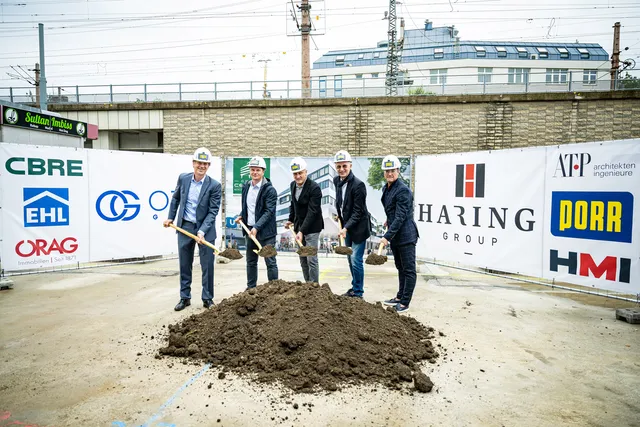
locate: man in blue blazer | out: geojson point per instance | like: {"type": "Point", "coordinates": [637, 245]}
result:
{"type": "Point", "coordinates": [196, 201]}
{"type": "Point", "coordinates": [402, 232]}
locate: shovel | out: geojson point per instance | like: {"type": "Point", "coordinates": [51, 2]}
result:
{"type": "Point", "coordinates": [194, 237]}
{"type": "Point", "coordinates": [304, 250]}
{"type": "Point", "coordinates": [266, 252]}
{"type": "Point", "coordinates": [342, 249]}
{"type": "Point", "coordinates": [377, 259]}
{"type": "Point", "coordinates": [231, 254]}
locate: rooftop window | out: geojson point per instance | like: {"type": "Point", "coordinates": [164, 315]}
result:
{"type": "Point", "coordinates": [564, 53]}
{"type": "Point", "coordinates": [376, 55]}
{"type": "Point", "coordinates": [481, 51]}
{"type": "Point", "coordinates": [522, 52]}
{"type": "Point", "coordinates": [340, 60]}
{"type": "Point", "coordinates": [502, 52]}
{"type": "Point", "coordinates": [438, 53]}
{"type": "Point", "coordinates": [543, 52]}
{"type": "Point", "coordinates": [584, 53]}
{"type": "Point", "coordinates": [361, 56]}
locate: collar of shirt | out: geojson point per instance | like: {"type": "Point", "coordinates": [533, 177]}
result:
{"type": "Point", "coordinates": [258, 185]}
{"type": "Point", "coordinates": [193, 180]}
{"type": "Point", "coordinates": [300, 186]}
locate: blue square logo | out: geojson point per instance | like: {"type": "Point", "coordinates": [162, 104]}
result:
{"type": "Point", "coordinates": [46, 207]}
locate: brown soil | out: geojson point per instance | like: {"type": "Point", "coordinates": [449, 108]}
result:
{"type": "Point", "coordinates": [375, 259]}
{"type": "Point", "coordinates": [307, 338]}
{"type": "Point", "coordinates": [308, 251]}
{"type": "Point", "coordinates": [231, 254]}
{"type": "Point", "coordinates": [267, 251]}
{"type": "Point", "coordinates": [344, 250]}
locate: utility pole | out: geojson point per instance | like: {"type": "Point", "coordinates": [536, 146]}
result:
{"type": "Point", "coordinates": [264, 93]}
{"type": "Point", "coordinates": [37, 71]}
{"type": "Point", "coordinates": [305, 29]}
{"type": "Point", "coordinates": [43, 78]}
{"type": "Point", "coordinates": [392, 53]}
{"type": "Point", "coordinates": [615, 56]}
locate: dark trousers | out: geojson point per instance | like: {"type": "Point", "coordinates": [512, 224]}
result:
{"type": "Point", "coordinates": [252, 262]}
{"type": "Point", "coordinates": [405, 259]}
{"type": "Point", "coordinates": [186, 249]}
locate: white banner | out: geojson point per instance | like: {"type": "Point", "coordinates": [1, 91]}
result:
{"type": "Point", "coordinates": [129, 195]}
{"type": "Point", "coordinates": [62, 206]}
{"type": "Point", "coordinates": [45, 209]}
{"type": "Point", "coordinates": [592, 193]}
{"type": "Point", "coordinates": [482, 208]}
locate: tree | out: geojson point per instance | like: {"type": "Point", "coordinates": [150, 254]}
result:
{"type": "Point", "coordinates": [419, 90]}
{"type": "Point", "coordinates": [629, 82]}
{"type": "Point", "coordinates": [376, 174]}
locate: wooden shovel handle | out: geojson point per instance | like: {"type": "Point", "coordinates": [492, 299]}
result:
{"type": "Point", "coordinates": [251, 236]}
{"type": "Point", "coordinates": [295, 236]}
{"type": "Point", "coordinates": [380, 249]}
{"type": "Point", "coordinates": [339, 231]}
{"type": "Point", "coordinates": [194, 237]}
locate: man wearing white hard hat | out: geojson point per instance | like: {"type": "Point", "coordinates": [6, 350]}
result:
{"type": "Point", "coordinates": [305, 214]}
{"type": "Point", "coordinates": [259, 200]}
{"type": "Point", "coordinates": [351, 204]}
{"type": "Point", "coordinates": [196, 202]}
{"type": "Point", "coordinates": [402, 232]}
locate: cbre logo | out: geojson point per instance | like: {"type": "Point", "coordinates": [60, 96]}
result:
{"type": "Point", "coordinates": [470, 180]}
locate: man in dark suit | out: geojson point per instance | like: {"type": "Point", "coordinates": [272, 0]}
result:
{"type": "Point", "coordinates": [351, 203]}
{"type": "Point", "coordinates": [196, 200]}
{"type": "Point", "coordinates": [259, 214]}
{"type": "Point", "coordinates": [305, 214]}
{"type": "Point", "coordinates": [402, 232]}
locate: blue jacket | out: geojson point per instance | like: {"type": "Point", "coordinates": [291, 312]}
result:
{"type": "Point", "coordinates": [265, 210]}
{"type": "Point", "coordinates": [208, 204]}
{"type": "Point", "coordinates": [398, 205]}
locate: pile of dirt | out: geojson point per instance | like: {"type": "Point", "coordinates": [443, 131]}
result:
{"type": "Point", "coordinates": [267, 251]}
{"type": "Point", "coordinates": [307, 251]}
{"type": "Point", "coordinates": [375, 259]}
{"type": "Point", "coordinates": [307, 338]}
{"type": "Point", "coordinates": [344, 250]}
{"type": "Point", "coordinates": [231, 254]}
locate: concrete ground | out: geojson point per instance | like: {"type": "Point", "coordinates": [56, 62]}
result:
{"type": "Point", "coordinates": [77, 350]}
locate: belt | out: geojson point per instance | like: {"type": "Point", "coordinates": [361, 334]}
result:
{"type": "Point", "coordinates": [188, 222]}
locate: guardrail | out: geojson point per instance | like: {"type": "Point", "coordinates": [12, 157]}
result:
{"type": "Point", "coordinates": [321, 87]}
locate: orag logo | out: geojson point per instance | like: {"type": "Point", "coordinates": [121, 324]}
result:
{"type": "Point", "coordinates": [38, 247]}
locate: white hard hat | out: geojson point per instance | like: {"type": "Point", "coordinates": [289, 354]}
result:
{"type": "Point", "coordinates": [298, 164]}
{"type": "Point", "coordinates": [202, 155]}
{"type": "Point", "coordinates": [342, 156]}
{"type": "Point", "coordinates": [390, 162]}
{"type": "Point", "coordinates": [257, 162]}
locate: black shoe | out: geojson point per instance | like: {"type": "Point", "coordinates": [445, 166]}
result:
{"type": "Point", "coordinates": [182, 304]}
{"type": "Point", "coordinates": [349, 293]}
{"type": "Point", "coordinates": [207, 303]}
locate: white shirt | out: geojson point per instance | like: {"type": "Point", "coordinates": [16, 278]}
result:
{"type": "Point", "coordinates": [344, 192]}
{"type": "Point", "coordinates": [193, 195]}
{"type": "Point", "coordinates": [252, 198]}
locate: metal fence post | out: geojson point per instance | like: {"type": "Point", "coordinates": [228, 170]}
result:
{"type": "Point", "coordinates": [364, 90]}
{"type": "Point", "coordinates": [251, 89]}
{"type": "Point", "coordinates": [484, 84]}
{"type": "Point", "coordinates": [215, 91]}
{"type": "Point", "coordinates": [111, 93]}
{"type": "Point", "coordinates": [526, 83]}
{"type": "Point", "coordinates": [180, 91]}
{"type": "Point", "coordinates": [11, 94]}
{"type": "Point", "coordinates": [145, 92]}
{"type": "Point", "coordinates": [77, 94]}
{"type": "Point", "coordinates": [287, 89]}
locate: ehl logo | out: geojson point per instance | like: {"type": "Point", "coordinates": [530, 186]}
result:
{"type": "Point", "coordinates": [570, 165]}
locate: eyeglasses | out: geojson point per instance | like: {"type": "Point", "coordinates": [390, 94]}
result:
{"type": "Point", "coordinates": [341, 166]}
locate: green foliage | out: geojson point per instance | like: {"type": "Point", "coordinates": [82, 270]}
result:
{"type": "Point", "coordinates": [419, 90]}
{"type": "Point", "coordinates": [629, 82]}
{"type": "Point", "coordinates": [376, 174]}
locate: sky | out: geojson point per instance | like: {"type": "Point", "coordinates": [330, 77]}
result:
{"type": "Point", "coordinates": [103, 42]}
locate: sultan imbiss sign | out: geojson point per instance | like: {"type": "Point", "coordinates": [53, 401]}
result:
{"type": "Point", "coordinates": [17, 117]}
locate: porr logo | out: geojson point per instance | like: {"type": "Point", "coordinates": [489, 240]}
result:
{"type": "Point", "coordinates": [570, 165]}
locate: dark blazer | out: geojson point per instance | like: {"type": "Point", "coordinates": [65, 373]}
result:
{"type": "Point", "coordinates": [208, 204]}
{"type": "Point", "coordinates": [265, 209]}
{"type": "Point", "coordinates": [355, 216]}
{"type": "Point", "coordinates": [306, 213]}
{"type": "Point", "coordinates": [398, 205]}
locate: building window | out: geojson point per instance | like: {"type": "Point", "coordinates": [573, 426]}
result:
{"type": "Point", "coordinates": [484, 75]}
{"type": "Point", "coordinates": [564, 53]}
{"type": "Point", "coordinates": [502, 52]}
{"type": "Point", "coordinates": [324, 184]}
{"type": "Point", "coordinates": [376, 55]}
{"type": "Point", "coordinates": [361, 56]}
{"type": "Point", "coordinates": [358, 76]}
{"type": "Point", "coordinates": [481, 51]}
{"type": "Point", "coordinates": [584, 53]}
{"type": "Point", "coordinates": [557, 75]}
{"type": "Point", "coordinates": [589, 77]}
{"type": "Point", "coordinates": [337, 86]}
{"type": "Point", "coordinates": [439, 76]}
{"type": "Point", "coordinates": [522, 52]}
{"type": "Point", "coordinates": [519, 75]}
{"type": "Point", "coordinates": [374, 75]}
{"type": "Point", "coordinates": [284, 211]}
{"type": "Point", "coordinates": [543, 52]}
{"type": "Point", "coordinates": [284, 199]}
{"type": "Point", "coordinates": [323, 87]}
{"type": "Point", "coordinates": [438, 53]}
{"type": "Point", "coordinates": [339, 61]}
{"type": "Point", "coordinates": [328, 200]}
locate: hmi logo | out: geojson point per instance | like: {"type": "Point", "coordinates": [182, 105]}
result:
{"type": "Point", "coordinates": [614, 269]}
{"type": "Point", "coordinates": [46, 207]}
